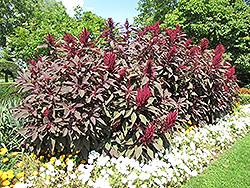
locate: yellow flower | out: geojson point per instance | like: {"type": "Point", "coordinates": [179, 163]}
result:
{"type": "Point", "coordinates": [10, 174]}
{"type": "Point", "coordinates": [189, 122]}
{"type": "Point", "coordinates": [20, 175]}
{"type": "Point", "coordinates": [69, 156]}
{"type": "Point", "coordinates": [54, 153]}
{"type": "Point", "coordinates": [46, 165]}
{"type": "Point", "coordinates": [33, 156]}
{"type": "Point", "coordinates": [5, 160]}
{"type": "Point", "coordinates": [4, 176]}
{"type": "Point", "coordinates": [77, 152]}
{"type": "Point", "coordinates": [1, 173]}
{"type": "Point", "coordinates": [48, 155]}
{"type": "Point", "coordinates": [35, 173]}
{"type": "Point", "coordinates": [52, 159]}
{"type": "Point", "coordinates": [63, 165]}
{"type": "Point", "coordinates": [48, 178]}
{"type": "Point", "coordinates": [5, 183]}
{"type": "Point", "coordinates": [83, 161]}
{"type": "Point", "coordinates": [41, 157]}
{"type": "Point", "coordinates": [67, 160]}
{"type": "Point", "coordinates": [188, 131]}
{"type": "Point", "coordinates": [195, 126]}
{"type": "Point", "coordinates": [58, 151]}
{"type": "Point", "coordinates": [20, 164]}
{"type": "Point", "coordinates": [63, 156]}
{"type": "Point", "coordinates": [14, 154]}
{"type": "Point", "coordinates": [3, 151]}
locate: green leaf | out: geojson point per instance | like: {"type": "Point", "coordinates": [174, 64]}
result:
{"type": "Point", "coordinates": [128, 113]}
{"type": "Point", "coordinates": [133, 118]}
{"type": "Point", "coordinates": [110, 98]}
{"type": "Point", "coordinates": [129, 152]}
{"type": "Point", "coordinates": [158, 86]}
{"type": "Point", "coordinates": [143, 119]}
{"type": "Point", "coordinates": [138, 152]}
{"type": "Point", "coordinates": [157, 146]}
{"type": "Point", "coordinates": [150, 153]}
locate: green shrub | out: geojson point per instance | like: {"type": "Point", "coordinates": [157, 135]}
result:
{"type": "Point", "coordinates": [8, 91]}
{"type": "Point", "coordinates": [9, 127]}
{"type": "Point", "coordinates": [245, 99]}
{"type": "Point", "coordinates": [123, 94]}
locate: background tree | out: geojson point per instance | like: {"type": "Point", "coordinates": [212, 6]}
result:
{"type": "Point", "coordinates": [8, 66]}
{"type": "Point", "coordinates": [220, 21]}
{"type": "Point", "coordinates": [153, 10]}
{"type": "Point", "coordinates": [13, 13]}
{"type": "Point", "coordinates": [52, 19]}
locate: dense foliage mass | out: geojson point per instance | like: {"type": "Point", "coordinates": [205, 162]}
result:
{"type": "Point", "coordinates": [124, 93]}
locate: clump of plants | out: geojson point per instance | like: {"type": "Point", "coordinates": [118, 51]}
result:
{"type": "Point", "coordinates": [123, 94]}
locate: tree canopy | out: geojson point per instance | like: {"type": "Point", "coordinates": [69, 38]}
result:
{"type": "Point", "coordinates": [13, 13]}
{"type": "Point", "coordinates": [49, 17]}
{"type": "Point", "coordinates": [220, 21]}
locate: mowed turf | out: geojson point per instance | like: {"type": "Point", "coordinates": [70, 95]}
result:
{"type": "Point", "coordinates": [231, 170]}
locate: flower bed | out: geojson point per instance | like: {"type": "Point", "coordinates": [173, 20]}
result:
{"type": "Point", "coordinates": [191, 151]}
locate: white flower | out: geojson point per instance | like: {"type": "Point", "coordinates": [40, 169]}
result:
{"type": "Point", "coordinates": [59, 185]}
{"type": "Point", "coordinates": [90, 183]}
{"type": "Point", "coordinates": [53, 179]}
{"type": "Point", "coordinates": [133, 176]}
{"type": "Point", "coordinates": [175, 179]}
{"type": "Point", "coordinates": [47, 182]}
{"type": "Point", "coordinates": [42, 169]}
{"type": "Point", "coordinates": [157, 181]}
{"type": "Point", "coordinates": [144, 176]}
{"type": "Point", "coordinates": [111, 172]}
{"type": "Point", "coordinates": [43, 175]}
{"type": "Point", "coordinates": [72, 176]}
{"type": "Point", "coordinates": [21, 185]}
{"type": "Point", "coordinates": [124, 180]}
{"type": "Point", "coordinates": [58, 163]}
{"type": "Point", "coordinates": [144, 186]}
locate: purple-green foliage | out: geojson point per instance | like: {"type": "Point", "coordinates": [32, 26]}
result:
{"type": "Point", "coordinates": [124, 93]}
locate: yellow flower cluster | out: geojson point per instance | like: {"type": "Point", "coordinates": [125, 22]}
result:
{"type": "Point", "coordinates": [6, 177]}
{"type": "Point", "coordinates": [3, 151]}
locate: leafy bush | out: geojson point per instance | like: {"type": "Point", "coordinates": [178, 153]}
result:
{"type": "Point", "coordinates": [245, 99]}
{"type": "Point", "coordinates": [9, 137]}
{"type": "Point", "coordinates": [244, 91]}
{"type": "Point", "coordinates": [122, 94]}
{"type": "Point", "coordinates": [8, 91]}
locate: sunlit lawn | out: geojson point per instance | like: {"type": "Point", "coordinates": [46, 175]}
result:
{"type": "Point", "coordinates": [232, 169]}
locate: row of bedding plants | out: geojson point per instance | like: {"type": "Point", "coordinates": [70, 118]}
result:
{"type": "Point", "coordinates": [122, 94]}
{"type": "Point", "coordinates": [190, 152]}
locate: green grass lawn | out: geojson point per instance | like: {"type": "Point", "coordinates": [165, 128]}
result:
{"type": "Point", "coordinates": [232, 169]}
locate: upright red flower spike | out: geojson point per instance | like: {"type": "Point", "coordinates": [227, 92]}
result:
{"type": "Point", "coordinates": [143, 96]}
{"type": "Point", "coordinates": [110, 60]}
{"type": "Point", "coordinates": [32, 62]}
{"type": "Point", "coordinates": [148, 135]}
{"type": "Point", "coordinates": [50, 39]}
{"type": "Point", "coordinates": [171, 53]}
{"type": "Point", "coordinates": [230, 73]}
{"type": "Point", "coordinates": [169, 122]}
{"type": "Point", "coordinates": [149, 70]}
{"type": "Point", "coordinates": [47, 113]}
{"type": "Point", "coordinates": [122, 74]}
{"type": "Point", "coordinates": [84, 36]}
{"type": "Point", "coordinates": [204, 45]}
{"type": "Point", "coordinates": [68, 38]}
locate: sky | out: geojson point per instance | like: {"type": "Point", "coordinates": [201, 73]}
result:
{"type": "Point", "coordinates": [119, 10]}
